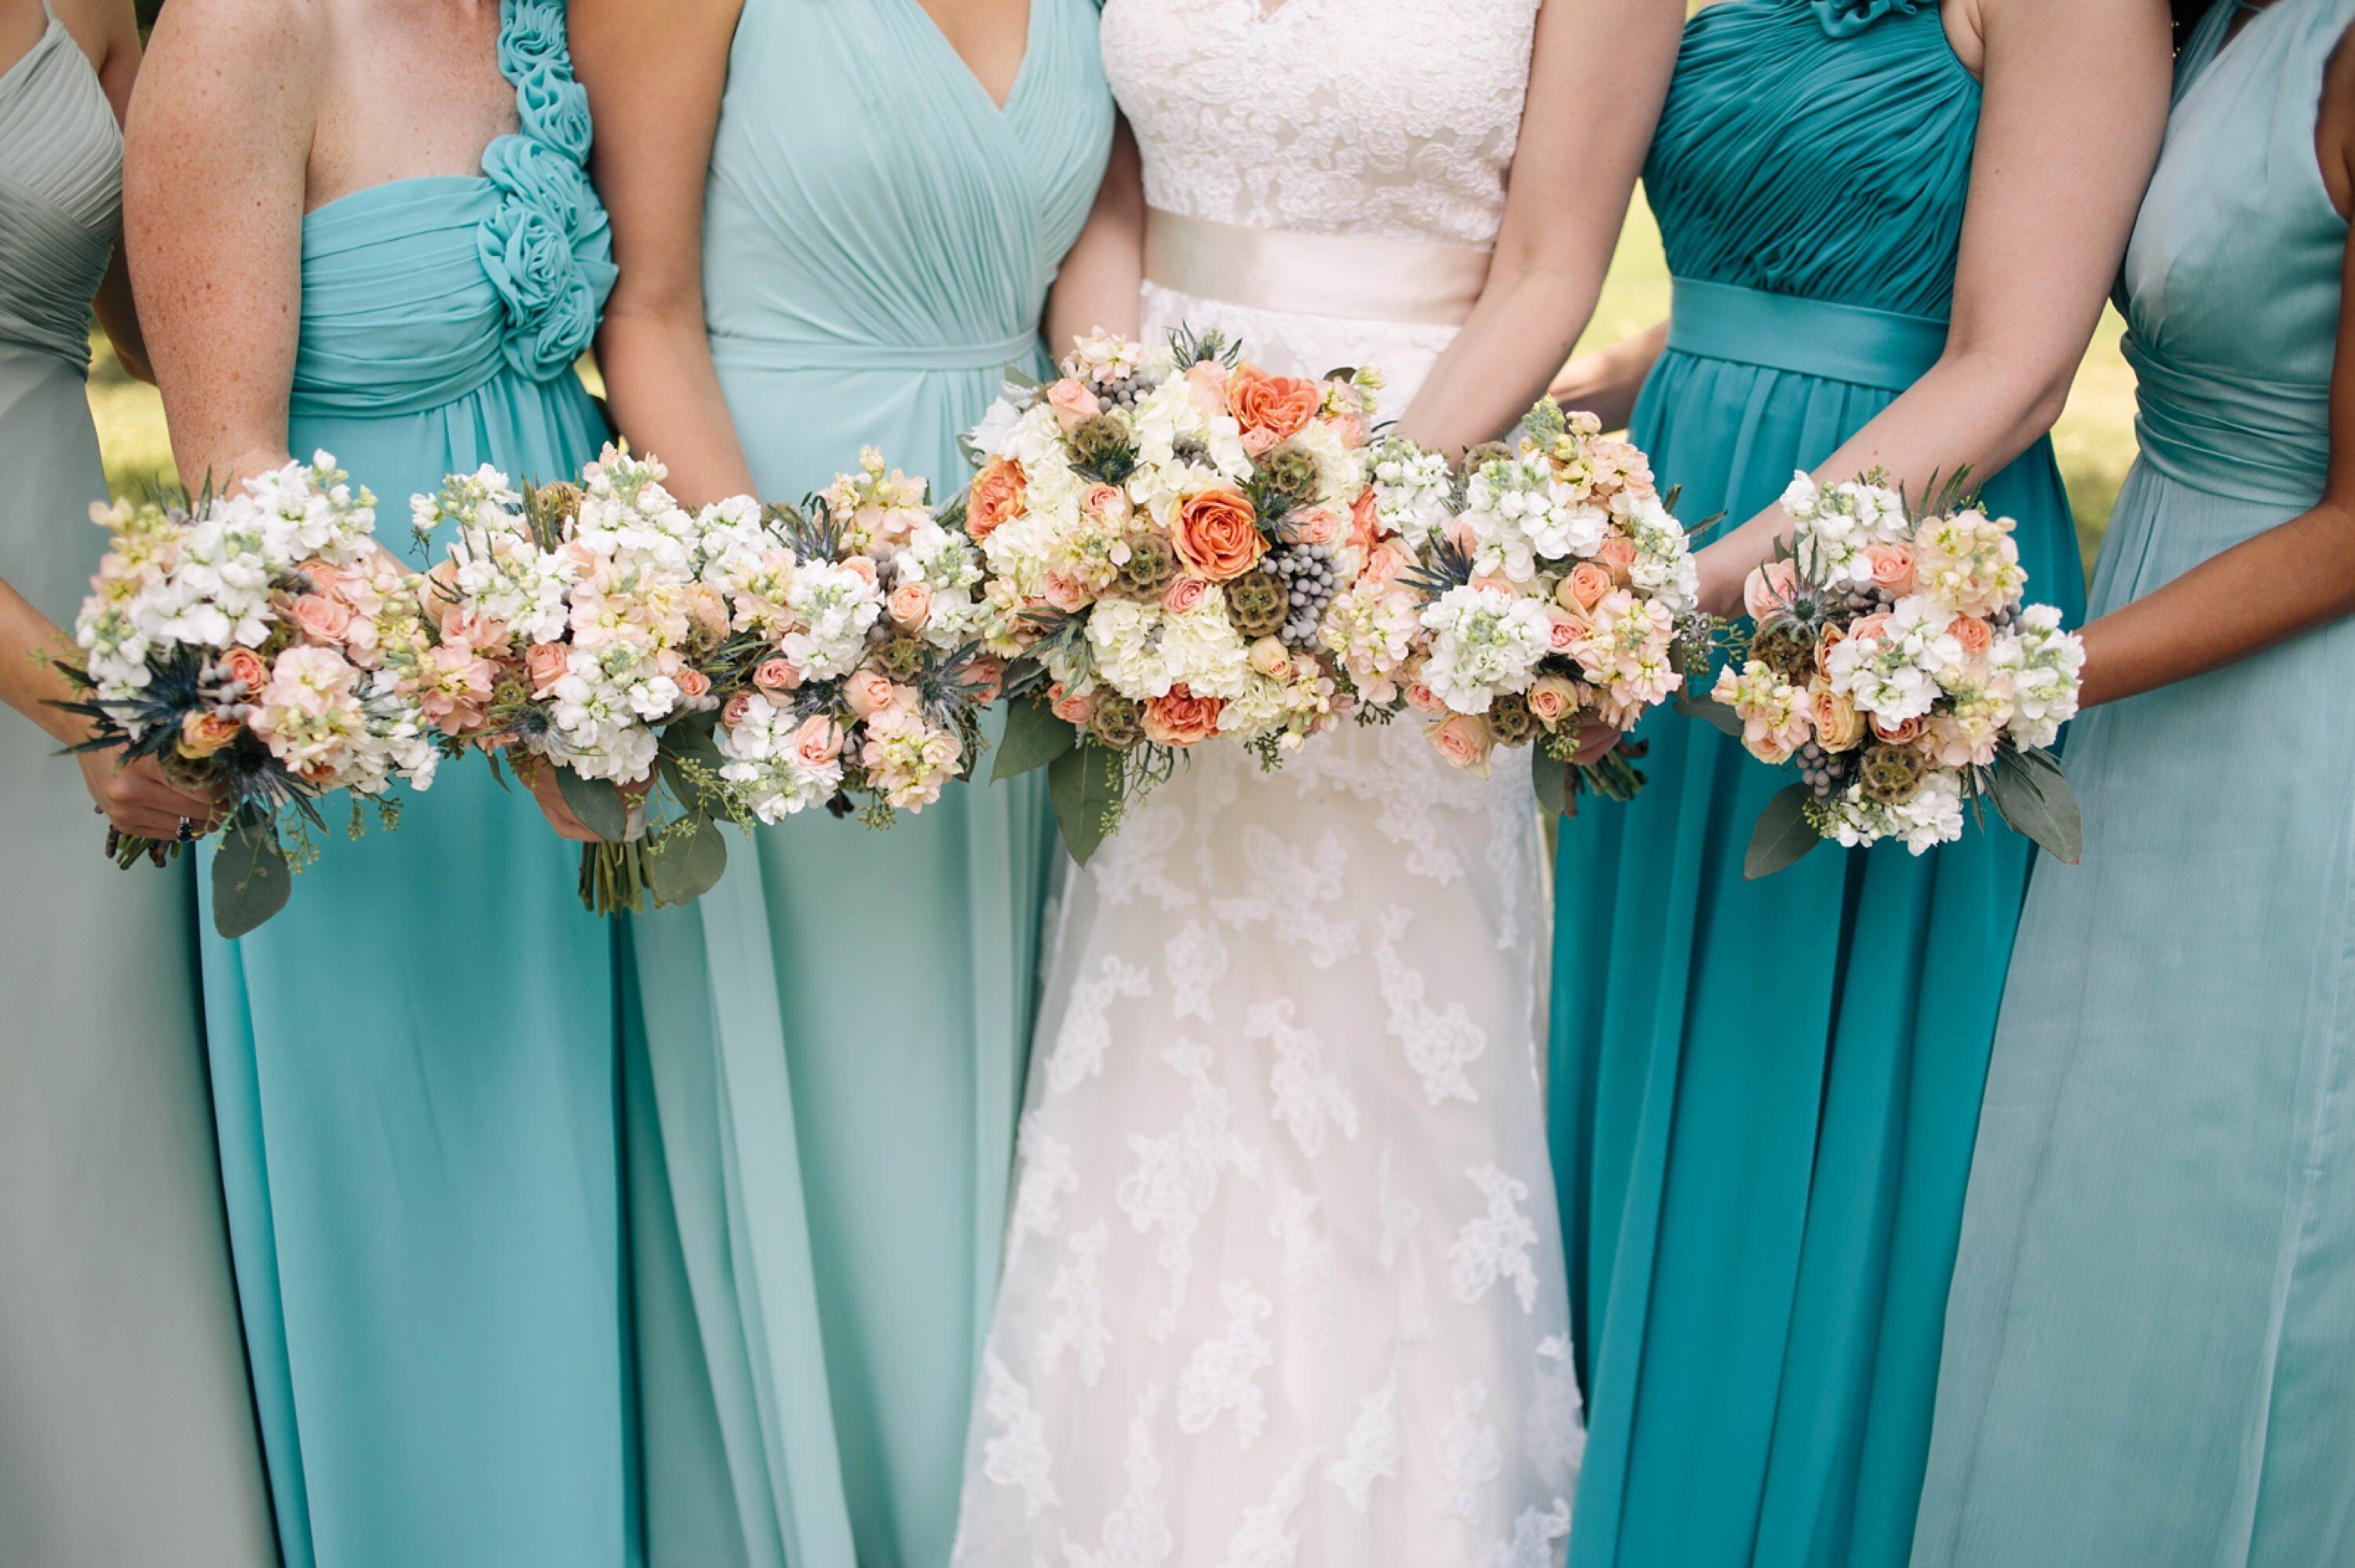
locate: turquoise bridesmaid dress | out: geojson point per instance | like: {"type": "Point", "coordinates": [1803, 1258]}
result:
{"type": "Point", "coordinates": [2150, 1346]}
{"type": "Point", "coordinates": [1763, 1093]}
{"type": "Point", "coordinates": [415, 1066]}
{"type": "Point", "coordinates": [835, 1038]}
{"type": "Point", "coordinates": [126, 1433]}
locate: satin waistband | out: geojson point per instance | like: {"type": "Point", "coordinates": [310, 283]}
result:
{"type": "Point", "coordinates": [1349, 276]}
{"type": "Point", "coordinates": [1865, 347]}
{"type": "Point", "coordinates": [2263, 441]}
{"type": "Point", "coordinates": [843, 353]}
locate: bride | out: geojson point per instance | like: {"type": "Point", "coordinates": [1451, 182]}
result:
{"type": "Point", "coordinates": [1283, 1281]}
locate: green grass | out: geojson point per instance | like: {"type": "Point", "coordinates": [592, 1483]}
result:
{"type": "Point", "coordinates": [2094, 438]}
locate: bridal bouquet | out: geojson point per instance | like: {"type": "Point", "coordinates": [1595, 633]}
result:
{"type": "Point", "coordinates": [1165, 530]}
{"type": "Point", "coordinates": [1554, 590]}
{"type": "Point", "coordinates": [260, 646]}
{"type": "Point", "coordinates": [1894, 662]}
{"type": "Point", "coordinates": [676, 669]}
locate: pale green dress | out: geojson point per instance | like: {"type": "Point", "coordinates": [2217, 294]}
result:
{"type": "Point", "coordinates": [828, 1049]}
{"type": "Point", "coordinates": [126, 1432]}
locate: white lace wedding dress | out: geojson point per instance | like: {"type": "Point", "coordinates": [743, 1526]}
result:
{"type": "Point", "coordinates": [1282, 1283]}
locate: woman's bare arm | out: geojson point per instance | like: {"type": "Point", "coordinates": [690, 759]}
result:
{"type": "Point", "coordinates": [2074, 106]}
{"type": "Point", "coordinates": [654, 76]}
{"type": "Point", "coordinates": [1597, 77]}
{"type": "Point", "coordinates": [1100, 286]}
{"type": "Point", "coordinates": [1607, 382]}
{"type": "Point", "coordinates": [2289, 578]}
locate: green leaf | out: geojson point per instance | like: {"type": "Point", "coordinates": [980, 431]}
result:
{"type": "Point", "coordinates": [1551, 776]}
{"type": "Point", "coordinates": [597, 802]}
{"type": "Point", "coordinates": [2028, 787]}
{"type": "Point", "coordinates": [1084, 784]}
{"type": "Point", "coordinates": [685, 861]}
{"type": "Point", "coordinates": [251, 878]}
{"type": "Point", "coordinates": [1710, 711]}
{"type": "Point", "coordinates": [1034, 737]}
{"type": "Point", "coordinates": [1783, 835]}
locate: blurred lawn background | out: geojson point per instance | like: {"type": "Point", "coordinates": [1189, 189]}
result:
{"type": "Point", "coordinates": [2094, 438]}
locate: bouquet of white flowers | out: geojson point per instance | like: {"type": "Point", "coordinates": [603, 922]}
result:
{"type": "Point", "coordinates": [1893, 662]}
{"type": "Point", "coordinates": [260, 646]}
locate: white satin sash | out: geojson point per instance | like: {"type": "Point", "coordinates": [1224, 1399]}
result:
{"type": "Point", "coordinates": [1350, 276]}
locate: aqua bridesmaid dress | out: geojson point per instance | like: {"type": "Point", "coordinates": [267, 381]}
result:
{"type": "Point", "coordinates": [835, 1038]}
{"type": "Point", "coordinates": [126, 1435]}
{"type": "Point", "coordinates": [415, 1068]}
{"type": "Point", "coordinates": [1763, 1093]}
{"type": "Point", "coordinates": [2151, 1345]}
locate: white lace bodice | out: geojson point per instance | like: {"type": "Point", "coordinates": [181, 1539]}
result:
{"type": "Point", "coordinates": [1393, 118]}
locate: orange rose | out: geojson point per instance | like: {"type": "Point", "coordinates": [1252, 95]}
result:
{"type": "Point", "coordinates": [248, 669]}
{"type": "Point", "coordinates": [1271, 408]}
{"type": "Point", "coordinates": [202, 733]}
{"type": "Point", "coordinates": [1365, 520]}
{"type": "Point", "coordinates": [1973, 633]}
{"type": "Point", "coordinates": [1181, 718]}
{"type": "Point", "coordinates": [1217, 535]}
{"type": "Point", "coordinates": [545, 662]}
{"type": "Point", "coordinates": [998, 497]}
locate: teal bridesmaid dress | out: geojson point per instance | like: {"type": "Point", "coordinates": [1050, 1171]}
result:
{"type": "Point", "coordinates": [1763, 1093]}
{"type": "Point", "coordinates": [835, 1038]}
{"type": "Point", "coordinates": [415, 1069]}
{"type": "Point", "coordinates": [126, 1435]}
{"type": "Point", "coordinates": [2151, 1345]}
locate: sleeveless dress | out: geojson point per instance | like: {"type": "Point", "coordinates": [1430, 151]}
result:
{"type": "Point", "coordinates": [1283, 1287]}
{"type": "Point", "coordinates": [415, 1066]}
{"type": "Point", "coordinates": [833, 1040]}
{"type": "Point", "coordinates": [126, 1435]}
{"type": "Point", "coordinates": [2150, 1346]}
{"type": "Point", "coordinates": [1764, 1093]}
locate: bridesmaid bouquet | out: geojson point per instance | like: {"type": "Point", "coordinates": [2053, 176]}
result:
{"type": "Point", "coordinates": [1165, 531]}
{"type": "Point", "coordinates": [1894, 663]}
{"type": "Point", "coordinates": [260, 646]}
{"type": "Point", "coordinates": [1553, 589]}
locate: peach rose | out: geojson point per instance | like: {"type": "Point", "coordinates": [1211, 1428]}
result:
{"type": "Point", "coordinates": [1105, 504]}
{"type": "Point", "coordinates": [1565, 629]}
{"type": "Point", "coordinates": [910, 603]}
{"type": "Point", "coordinates": [1975, 634]}
{"type": "Point", "coordinates": [1217, 535]}
{"type": "Point", "coordinates": [1315, 526]}
{"type": "Point", "coordinates": [869, 693]}
{"type": "Point", "coordinates": [1616, 555]}
{"type": "Point", "coordinates": [996, 498]}
{"type": "Point", "coordinates": [1069, 708]}
{"type": "Point", "coordinates": [1270, 658]}
{"type": "Point", "coordinates": [1892, 568]}
{"type": "Point", "coordinates": [1181, 718]}
{"type": "Point", "coordinates": [1586, 586]}
{"type": "Point", "coordinates": [321, 621]}
{"type": "Point", "coordinates": [1271, 408]}
{"type": "Point", "coordinates": [1905, 734]}
{"type": "Point", "coordinates": [817, 742]}
{"type": "Point", "coordinates": [1838, 726]}
{"type": "Point", "coordinates": [1349, 430]}
{"type": "Point", "coordinates": [545, 662]}
{"type": "Point", "coordinates": [1065, 593]}
{"type": "Point", "coordinates": [248, 669]}
{"type": "Point", "coordinates": [1552, 699]}
{"type": "Point", "coordinates": [776, 675]}
{"type": "Point", "coordinates": [1832, 638]}
{"type": "Point", "coordinates": [1769, 588]}
{"type": "Point", "coordinates": [859, 566]}
{"type": "Point", "coordinates": [1465, 740]}
{"type": "Point", "coordinates": [1209, 379]}
{"type": "Point", "coordinates": [693, 684]}
{"type": "Point", "coordinates": [984, 676]}
{"type": "Point", "coordinates": [1387, 562]}
{"type": "Point", "coordinates": [1423, 699]}
{"type": "Point", "coordinates": [1872, 629]}
{"type": "Point", "coordinates": [1073, 403]}
{"type": "Point", "coordinates": [202, 733]}
{"type": "Point", "coordinates": [738, 707]}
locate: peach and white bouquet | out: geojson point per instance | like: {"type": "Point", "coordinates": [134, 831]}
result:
{"type": "Point", "coordinates": [1894, 662]}
{"type": "Point", "coordinates": [260, 646]}
{"type": "Point", "coordinates": [1557, 592]}
{"type": "Point", "coordinates": [1166, 529]}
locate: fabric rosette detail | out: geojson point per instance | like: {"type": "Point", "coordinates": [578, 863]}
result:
{"type": "Point", "coordinates": [1845, 18]}
{"type": "Point", "coordinates": [548, 252]}
{"type": "Point", "coordinates": [535, 54]}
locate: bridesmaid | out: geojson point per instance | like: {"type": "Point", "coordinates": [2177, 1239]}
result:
{"type": "Point", "coordinates": [127, 1435]}
{"type": "Point", "coordinates": [1891, 225]}
{"type": "Point", "coordinates": [414, 1066]}
{"type": "Point", "coordinates": [836, 221]}
{"type": "Point", "coordinates": [2150, 1347]}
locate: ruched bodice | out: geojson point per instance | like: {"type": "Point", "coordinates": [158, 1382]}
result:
{"type": "Point", "coordinates": [60, 197]}
{"type": "Point", "coordinates": [2230, 400]}
{"type": "Point", "coordinates": [420, 292]}
{"type": "Point", "coordinates": [1826, 174]}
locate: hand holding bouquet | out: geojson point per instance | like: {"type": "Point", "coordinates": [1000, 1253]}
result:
{"type": "Point", "coordinates": [266, 652]}
{"type": "Point", "coordinates": [1894, 662]}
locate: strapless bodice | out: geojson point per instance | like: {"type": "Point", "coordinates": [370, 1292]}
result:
{"type": "Point", "coordinates": [60, 197]}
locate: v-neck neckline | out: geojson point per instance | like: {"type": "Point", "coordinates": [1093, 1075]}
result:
{"type": "Point", "coordinates": [924, 19]}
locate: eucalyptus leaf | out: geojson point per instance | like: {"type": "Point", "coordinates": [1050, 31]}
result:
{"type": "Point", "coordinates": [692, 742]}
{"type": "Point", "coordinates": [252, 880]}
{"type": "Point", "coordinates": [597, 802]}
{"type": "Point", "coordinates": [1551, 776]}
{"type": "Point", "coordinates": [2034, 797]}
{"type": "Point", "coordinates": [1783, 836]}
{"type": "Point", "coordinates": [1710, 711]}
{"type": "Point", "coordinates": [1084, 784]}
{"type": "Point", "coordinates": [1034, 737]}
{"type": "Point", "coordinates": [685, 861]}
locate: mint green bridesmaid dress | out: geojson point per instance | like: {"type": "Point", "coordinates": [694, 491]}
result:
{"type": "Point", "coordinates": [415, 1066]}
{"type": "Point", "coordinates": [1763, 1093]}
{"type": "Point", "coordinates": [835, 1038]}
{"type": "Point", "coordinates": [126, 1435]}
{"type": "Point", "coordinates": [2150, 1346]}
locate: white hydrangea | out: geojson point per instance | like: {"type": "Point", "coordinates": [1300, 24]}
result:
{"type": "Point", "coordinates": [1933, 817]}
{"type": "Point", "coordinates": [1142, 649]}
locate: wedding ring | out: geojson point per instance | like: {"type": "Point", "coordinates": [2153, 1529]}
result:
{"type": "Point", "coordinates": [187, 833]}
